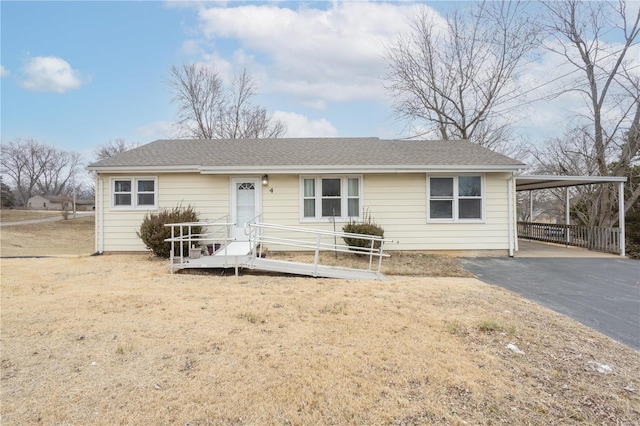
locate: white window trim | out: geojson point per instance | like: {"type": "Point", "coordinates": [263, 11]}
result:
{"type": "Point", "coordinates": [344, 198]}
{"type": "Point", "coordinates": [134, 193]}
{"type": "Point", "coordinates": [456, 198]}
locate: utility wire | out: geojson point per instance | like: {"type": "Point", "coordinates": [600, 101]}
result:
{"type": "Point", "coordinates": [550, 82]}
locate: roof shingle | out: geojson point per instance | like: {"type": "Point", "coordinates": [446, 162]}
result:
{"type": "Point", "coordinates": [305, 152]}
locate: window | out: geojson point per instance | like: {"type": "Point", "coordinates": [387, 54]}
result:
{"type": "Point", "coordinates": [332, 196]}
{"type": "Point", "coordinates": [132, 193]}
{"type": "Point", "coordinates": [457, 198]}
{"type": "Point", "coordinates": [122, 193]}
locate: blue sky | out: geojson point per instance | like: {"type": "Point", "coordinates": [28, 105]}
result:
{"type": "Point", "coordinates": [78, 74]}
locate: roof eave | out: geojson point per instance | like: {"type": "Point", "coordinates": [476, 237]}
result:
{"type": "Point", "coordinates": [360, 169]}
{"type": "Point", "coordinates": [145, 169]}
{"type": "Point", "coordinates": [312, 169]}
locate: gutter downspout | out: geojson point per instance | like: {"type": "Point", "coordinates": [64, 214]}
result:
{"type": "Point", "coordinates": [510, 215]}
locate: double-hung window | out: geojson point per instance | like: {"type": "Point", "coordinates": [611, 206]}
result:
{"type": "Point", "coordinates": [134, 193]}
{"type": "Point", "coordinates": [329, 197]}
{"type": "Point", "coordinates": [455, 198]}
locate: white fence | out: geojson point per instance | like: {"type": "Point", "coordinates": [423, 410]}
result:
{"type": "Point", "coordinates": [597, 238]}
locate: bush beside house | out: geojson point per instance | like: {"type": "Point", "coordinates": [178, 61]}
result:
{"type": "Point", "coordinates": [366, 227]}
{"type": "Point", "coordinates": [153, 231]}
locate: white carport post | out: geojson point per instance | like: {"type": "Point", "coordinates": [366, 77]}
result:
{"type": "Point", "coordinates": [530, 205]}
{"type": "Point", "coordinates": [567, 214]}
{"type": "Point", "coordinates": [621, 217]}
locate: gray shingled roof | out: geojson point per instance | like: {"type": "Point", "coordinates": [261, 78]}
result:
{"type": "Point", "coordinates": [305, 152]}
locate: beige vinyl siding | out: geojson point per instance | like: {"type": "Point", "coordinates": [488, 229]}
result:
{"type": "Point", "coordinates": [490, 234]}
{"type": "Point", "coordinates": [282, 206]}
{"type": "Point", "coordinates": [398, 202]}
{"type": "Point", "coordinates": [209, 194]}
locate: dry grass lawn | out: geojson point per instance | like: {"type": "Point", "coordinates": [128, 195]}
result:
{"type": "Point", "coordinates": [11, 215]}
{"type": "Point", "coordinates": [61, 237]}
{"type": "Point", "coordinates": [116, 339]}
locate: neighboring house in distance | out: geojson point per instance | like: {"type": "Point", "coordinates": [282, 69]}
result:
{"type": "Point", "coordinates": [55, 202]}
{"type": "Point", "coordinates": [427, 195]}
{"type": "Point", "coordinates": [48, 202]}
{"type": "Point", "coordinates": [85, 204]}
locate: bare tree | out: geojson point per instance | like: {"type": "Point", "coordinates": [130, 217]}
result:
{"type": "Point", "coordinates": [59, 171]}
{"type": "Point", "coordinates": [209, 111]}
{"type": "Point", "coordinates": [452, 77]}
{"type": "Point", "coordinates": [33, 166]}
{"type": "Point", "coordinates": [113, 148]}
{"type": "Point", "coordinates": [608, 83]}
{"type": "Point", "coordinates": [20, 164]}
{"type": "Point", "coordinates": [573, 155]}
{"type": "Point", "coordinates": [242, 120]}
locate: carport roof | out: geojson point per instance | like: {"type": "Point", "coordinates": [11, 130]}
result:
{"type": "Point", "coordinates": [530, 182]}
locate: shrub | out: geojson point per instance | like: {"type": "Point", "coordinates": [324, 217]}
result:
{"type": "Point", "coordinates": [366, 227]}
{"type": "Point", "coordinates": [153, 232]}
{"type": "Point", "coordinates": [632, 233]}
{"type": "Point", "coordinates": [7, 198]}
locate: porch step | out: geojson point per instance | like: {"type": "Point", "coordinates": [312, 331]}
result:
{"type": "Point", "coordinates": [235, 248]}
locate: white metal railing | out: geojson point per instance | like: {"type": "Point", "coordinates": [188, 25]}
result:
{"type": "Point", "coordinates": [216, 231]}
{"type": "Point", "coordinates": [221, 231]}
{"type": "Point", "coordinates": [259, 239]}
{"type": "Point", "coordinates": [597, 238]}
{"type": "Point", "coordinates": [248, 230]}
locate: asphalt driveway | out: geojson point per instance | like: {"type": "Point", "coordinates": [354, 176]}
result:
{"type": "Point", "coordinates": [601, 293]}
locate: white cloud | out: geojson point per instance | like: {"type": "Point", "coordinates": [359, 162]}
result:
{"type": "Point", "coordinates": [3, 71]}
{"type": "Point", "coordinates": [335, 53]}
{"type": "Point", "coordinates": [300, 126]}
{"type": "Point", "coordinates": [191, 47]}
{"type": "Point", "coordinates": [316, 55]}
{"type": "Point", "coordinates": [157, 130]}
{"type": "Point", "coordinates": [51, 74]}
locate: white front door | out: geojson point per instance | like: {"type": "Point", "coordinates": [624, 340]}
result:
{"type": "Point", "coordinates": [245, 204]}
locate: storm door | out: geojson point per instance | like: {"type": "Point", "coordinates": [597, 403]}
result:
{"type": "Point", "coordinates": [245, 204]}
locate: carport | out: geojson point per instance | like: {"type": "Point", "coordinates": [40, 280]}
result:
{"type": "Point", "coordinates": [556, 270]}
{"type": "Point", "coordinates": [605, 239]}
